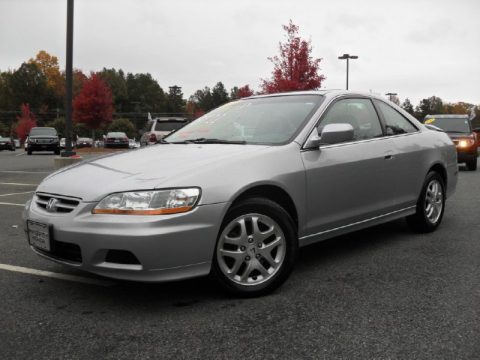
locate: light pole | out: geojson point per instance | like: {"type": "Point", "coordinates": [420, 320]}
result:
{"type": "Point", "coordinates": [347, 57]}
{"type": "Point", "coordinates": [68, 75]}
{"type": "Point", "coordinates": [391, 95]}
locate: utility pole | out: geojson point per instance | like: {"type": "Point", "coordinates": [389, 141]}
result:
{"type": "Point", "coordinates": [347, 57]}
{"type": "Point", "coordinates": [391, 95]}
{"type": "Point", "coordinates": [68, 74]}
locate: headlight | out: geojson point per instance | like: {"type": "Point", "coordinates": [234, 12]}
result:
{"type": "Point", "coordinates": [463, 143]}
{"type": "Point", "coordinates": [152, 202]}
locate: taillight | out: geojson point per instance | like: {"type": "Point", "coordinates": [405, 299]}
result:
{"type": "Point", "coordinates": [152, 138]}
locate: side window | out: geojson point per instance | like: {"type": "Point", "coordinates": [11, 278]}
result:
{"type": "Point", "coordinates": [395, 123]}
{"type": "Point", "coordinates": [359, 113]}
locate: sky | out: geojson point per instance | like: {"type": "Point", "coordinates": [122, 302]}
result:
{"type": "Point", "coordinates": [416, 48]}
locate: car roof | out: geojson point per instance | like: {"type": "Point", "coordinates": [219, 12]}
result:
{"type": "Point", "coordinates": [450, 116]}
{"type": "Point", "coordinates": [323, 92]}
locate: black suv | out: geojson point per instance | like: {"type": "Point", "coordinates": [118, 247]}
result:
{"type": "Point", "coordinates": [459, 128]}
{"type": "Point", "coordinates": [43, 139]}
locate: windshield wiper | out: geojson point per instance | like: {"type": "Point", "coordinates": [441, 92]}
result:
{"type": "Point", "coordinates": [456, 132]}
{"type": "Point", "coordinates": [210, 141]}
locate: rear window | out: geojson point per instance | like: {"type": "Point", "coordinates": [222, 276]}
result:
{"type": "Point", "coordinates": [116, 134]}
{"type": "Point", "coordinates": [168, 125]}
{"type": "Point", "coordinates": [43, 131]}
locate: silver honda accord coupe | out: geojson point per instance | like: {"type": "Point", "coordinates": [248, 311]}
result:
{"type": "Point", "coordinates": [236, 192]}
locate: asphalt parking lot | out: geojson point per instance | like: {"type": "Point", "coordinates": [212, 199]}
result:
{"type": "Point", "coordinates": [381, 293]}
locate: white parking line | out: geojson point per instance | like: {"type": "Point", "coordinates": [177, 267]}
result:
{"type": "Point", "coordinates": [23, 153]}
{"type": "Point", "coordinates": [55, 275]}
{"type": "Point", "coordinates": [18, 184]}
{"type": "Point", "coordinates": [24, 172]}
{"type": "Point", "coordinates": [11, 204]}
{"type": "Point", "coordinates": [19, 193]}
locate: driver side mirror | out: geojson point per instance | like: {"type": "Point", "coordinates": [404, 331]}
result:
{"type": "Point", "coordinates": [331, 134]}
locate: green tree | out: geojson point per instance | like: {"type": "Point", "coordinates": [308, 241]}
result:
{"type": "Point", "coordinates": [407, 106]}
{"type": "Point", "coordinates": [203, 99]}
{"type": "Point", "coordinates": [117, 82]}
{"type": "Point", "coordinates": [123, 125]}
{"type": "Point", "coordinates": [429, 106]}
{"type": "Point", "coordinates": [28, 85]}
{"type": "Point", "coordinates": [144, 94]}
{"type": "Point", "coordinates": [175, 102]}
{"type": "Point", "coordinates": [219, 95]}
{"type": "Point", "coordinates": [55, 89]}
{"type": "Point", "coordinates": [4, 129]}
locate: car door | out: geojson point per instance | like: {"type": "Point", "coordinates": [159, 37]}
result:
{"type": "Point", "coordinates": [409, 153]}
{"type": "Point", "coordinates": [349, 182]}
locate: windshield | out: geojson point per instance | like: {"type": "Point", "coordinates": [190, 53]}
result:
{"type": "Point", "coordinates": [168, 125]}
{"type": "Point", "coordinates": [43, 131]}
{"type": "Point", "coordinates": [268, 120]}
{"type": "Point", "coordinates": [450, 124]}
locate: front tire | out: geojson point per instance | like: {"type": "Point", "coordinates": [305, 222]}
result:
{"type": "Point", "coordinates": [29, 152]}
{"type": "Point", "coordinates": [430, 205]}
{"type": "Point", "coordinates": [472, 163]}
{"type": "Point", "coordinates": [256, 248]}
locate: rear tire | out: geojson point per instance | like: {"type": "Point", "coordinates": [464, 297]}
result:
{"type": "Point", "coordinates": [430, 205]}
{"type": "Point", "coordinates": [256, 248]}
{"type": "Point", "coordinates": [472, 163]}
{"type": "Point", "coordinates": [57, 152]}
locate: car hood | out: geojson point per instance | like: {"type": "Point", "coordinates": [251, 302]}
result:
{"type": "Point", "coordinates": [158, 166]}
{"type": "Point", "coordinates": [454, 136]}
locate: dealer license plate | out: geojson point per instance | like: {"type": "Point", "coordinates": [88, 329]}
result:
{"type": "Point", "coordinates": [39, 235]}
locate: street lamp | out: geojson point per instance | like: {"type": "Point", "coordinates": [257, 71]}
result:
{"type": "Point", "coordinates": [391, 95]}
{"type": "Point", "coordinates": [347, 57]}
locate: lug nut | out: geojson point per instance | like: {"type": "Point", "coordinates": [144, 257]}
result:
{"type": "Point", "coordinates": [250, 239]}
{"type": "Point", "coordinates": [258, 256]}
{"type": "Point", "coordinates": [247, 258]}
{"type": "Point", "coordinates": [260, 245]}
{"type": "Point", "coordinates": [243, 248]}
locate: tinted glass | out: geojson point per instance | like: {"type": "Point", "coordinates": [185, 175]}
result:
{"type": "Point", "coordinates": [116, 134]}
{"type": "Point", "coordinates": [395, 123]}
{"type": "Point", "coordinates": [359, 113]}
{"type": "Point", "coordinates": [269, 120]}
{"type": "Point", "coordinates": [43, 131]}
{"type": "Point", "coordinates": [168, 125]}
{"type": "Point", "coordinates": [450, 124]}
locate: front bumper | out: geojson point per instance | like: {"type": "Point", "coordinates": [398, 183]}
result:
{"type": "Point", "coordinates": [465, 155]}
{"type": "Point", "coordinates": [168, 247]}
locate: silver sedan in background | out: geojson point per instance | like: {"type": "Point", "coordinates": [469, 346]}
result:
{"type": "Point", "coordinates": [236, 192]}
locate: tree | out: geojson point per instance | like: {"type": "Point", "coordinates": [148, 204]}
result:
{"type": "Point", "coordinates": [238, 93]}
{"type": "Point", "coordinates": [49, 67]}
{"type": "Point", "coordinates": [78, 79]}
{"type": "Point", "coordinates": [294, 68]}
{"type": "Point", "coordinates": [4, 130]}
{"type": "Point", "coordinates": [219, 95]}
{"type": "Point", "coordinates": [203, 99]}
{"type": "Point", "coordinates": [429, 106]}
{"type": "Point", "coordinates": [457, 108]}
{"type": "Point", "coordinates": [28, 85]}
{"type": "Point", "coordinates": [123, 125]}
{"type": "Point", "coordinates": [407, 106]}
{"type": "Point", "coordinates": [144, 94]}
{"type": "Point", "coordinates": [175, 102]}
{"type": "Point", "coordinates": [93, 106]}
{"type": "Point", "coordinates": [118, 84]}
{"type": "Point", "coordinates": [59, 125]}
{"type": "Point", "coordinates": [26, 121]}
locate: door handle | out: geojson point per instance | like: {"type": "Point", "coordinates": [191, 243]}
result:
{"type": "Point", "coordinates": [388, 156]}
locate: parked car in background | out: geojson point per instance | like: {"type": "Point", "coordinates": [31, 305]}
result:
{"type": "Point", "coordinates": [63, 143]}
{"type": "Point", "coordinates": [459, 128]}
{"type": "Point", "coordinates": [84, 142]}
{"type": "Point", "coordinates": [158, 128]}
{"type": "Point", "coordinates": [25, 144]}
{"type": "Point", "coordinates": [237, 191]}
{"type": "Point", "coordinates": [43, 139]}
{"type": "Point", "coordinates": [17, 143]}
{"type": "Point", "coordinates": [132, 144]}
{"type": "Point", "coordinates": [116, 140]}
{"type": "Point", "coordinates": [7, 143]}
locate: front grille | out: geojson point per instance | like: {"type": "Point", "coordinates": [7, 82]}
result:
{"type": "Point", "coordinates": [56, 203]}
{"type": "Point", "coordinates": [64, 251]}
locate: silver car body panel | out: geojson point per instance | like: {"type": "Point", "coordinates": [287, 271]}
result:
{"type": "Point", "coordinates": [335, 189]}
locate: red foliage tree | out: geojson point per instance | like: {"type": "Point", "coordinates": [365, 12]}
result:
{"type": "Point", "coordinates": [294, 69]}
{"type": "Point", "coordinates": [26, 122]}
{"type": "Point", "coordinates": [93, 105]}
{"type": "Point", "coordinates": [244, 91]}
